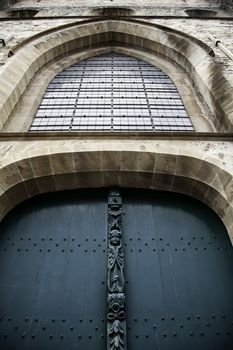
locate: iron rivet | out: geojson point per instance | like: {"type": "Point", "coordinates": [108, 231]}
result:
{"type": "Point", "coordinates": [53, 320]}
{"type": "Point", "coordinates": [80, 320]}
{"type": "Point", "coordinates": [147, 336]}
{"type": "Point", "coordinates": [79, 337]}
{"type": "Point", "coordinates": [154, 327]}
{"type": "Point", "coordinates": [191, 334]}
{"type": "Point", "coordinates": [61, 336]}
{"type": "Point", "coordinates": [63, 320]}
{"type": "Point", "coordinates": [202, 334]}
{"type": "Point", "coordinates": [164, 335]}
{"type": "Point", "coordinates": [33, 336]}
{"type": "Point", "coordinates": [145, 320]}
{"type": "Point", "coordinates": [51, 337]}
{"type": "Point", "coordinates": [89, 337]}
{"type": "Point", "coordinates": [5, 335]}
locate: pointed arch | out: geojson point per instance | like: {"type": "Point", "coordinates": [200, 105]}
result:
{"type": "Point", "coordinates": [189, 53]}
{"type": "Point", "coordinates": [111, 92]}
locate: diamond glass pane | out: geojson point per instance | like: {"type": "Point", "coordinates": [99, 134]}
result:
{"type": "Point", "coordinates": [111, 93]}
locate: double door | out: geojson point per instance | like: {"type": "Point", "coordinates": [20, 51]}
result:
{"type": "Point", "coordinates": [113, 269]}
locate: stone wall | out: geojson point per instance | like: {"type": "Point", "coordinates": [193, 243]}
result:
{"type": "Point", "coordinates": [4, 4]}
{"type": "Point", "coordinates": [227, 4]}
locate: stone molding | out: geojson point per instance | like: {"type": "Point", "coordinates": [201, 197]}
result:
{"type": "Point", "coordinates": [29, 168]}
{"type": "Point", "coordinates": [22, 117]}
{"type": "Point", "coordinates": [189, 53]}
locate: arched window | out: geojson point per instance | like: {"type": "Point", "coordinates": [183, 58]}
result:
{"type": "Point", "coordinates": [111, 93]}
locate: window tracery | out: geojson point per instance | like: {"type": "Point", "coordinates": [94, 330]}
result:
{"type": "Point", "coordinates": [111, 92]}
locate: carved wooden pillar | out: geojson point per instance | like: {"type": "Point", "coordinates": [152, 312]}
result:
{"type": "Point", "coordinates": [116, 312]}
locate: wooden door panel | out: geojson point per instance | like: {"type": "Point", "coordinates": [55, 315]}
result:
{"type": "Point", "coordinates": [179, 274]}
{"type": "Point", "coordinates": [52, 268]}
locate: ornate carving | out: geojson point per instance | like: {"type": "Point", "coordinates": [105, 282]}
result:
{"type": "Point", "coordinates": [116, 307]}
{"type": "Point", "coordinates": [116, 333]}
{"type": "Point", "coordinates": [116, 314]}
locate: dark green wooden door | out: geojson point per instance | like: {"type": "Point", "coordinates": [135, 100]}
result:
{"type": "Point", "coordinates": [179, 271]}
{"type": "Point", "coordinates": [53, 271]}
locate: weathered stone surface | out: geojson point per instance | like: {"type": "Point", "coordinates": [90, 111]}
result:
{"type": "Point", "coordinates": [202, 169]}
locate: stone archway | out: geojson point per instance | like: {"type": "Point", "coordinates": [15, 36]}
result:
{"type": "Point", "coordinates": [189, 53]}
{"type": "Point", "coordinates": [78, 164]}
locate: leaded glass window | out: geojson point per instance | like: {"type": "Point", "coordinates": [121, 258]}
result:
{"type": "Point", "coordinates": [111, 93]}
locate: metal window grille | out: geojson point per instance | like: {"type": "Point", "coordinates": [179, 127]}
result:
{"type": "Point", "coordinates": [111, 93]}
